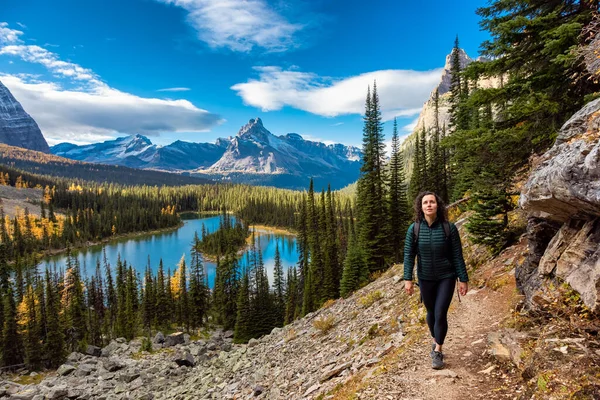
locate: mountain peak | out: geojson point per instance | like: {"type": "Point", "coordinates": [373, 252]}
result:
{"type": "Point", "coordinates": [254, 130]}
{"type": "Point", "coordinates": [464, 60]}
{"type": "Point", "coordinates": [17, 128]}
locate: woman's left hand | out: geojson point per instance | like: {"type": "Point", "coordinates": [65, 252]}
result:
{"type": "Point", "coordinates": [463, 288]}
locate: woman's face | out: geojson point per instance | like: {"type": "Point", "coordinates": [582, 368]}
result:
{"type": "Point", "coordinates": [429, 205]}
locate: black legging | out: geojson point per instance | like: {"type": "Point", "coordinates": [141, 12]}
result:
{"type": "Point", "coordinates": [437, 296]}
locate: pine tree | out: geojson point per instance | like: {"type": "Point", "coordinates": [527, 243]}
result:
{"type": "Point", "coordinates": [356, 273]}
{"type": "Point", "coordinates": [488, 226]}
{"type": "Point", "coordinates": [371, 196]}
{"type": "Point", "coordinates": [32, 344]}
{"type": "Point", "coordinates": [279, 288]}
{"type": "Point", "coordinates": [54, 346]}
{"type": "Point", "coordinates": [74, 302]}
{"type": "Point", "coordinates": [399, 209]}
{"type": "Point", "coordinates": [162, 311]}
{"type": "Point", "coordinates": [455, 88]}
{"type": "Point", "coordinates": [11, 345]}
{"type": "Point", "coordinates": [292, 296]}
{"type": "Point", "coordinates": [242, 331]}
{"type": "Point", "coordinates": [198, 289]}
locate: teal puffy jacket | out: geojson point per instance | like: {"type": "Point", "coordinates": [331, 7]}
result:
{"type": "Point", "coordinates": [436, 258]}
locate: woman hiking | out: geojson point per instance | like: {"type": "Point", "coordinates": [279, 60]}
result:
{"type": "Point", "coordinates": [436, 243]}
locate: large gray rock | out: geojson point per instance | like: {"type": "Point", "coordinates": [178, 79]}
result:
{"type": "Point", "coordinates": [566, 183]}
{"type": "Point", "coordinates": [94, 351]}
{"type": "Point", "coordinates": [562, 198]}
{"type": "Point", "coordinates": [574, 256]}
{"type": "Point", "coordinates": [65, 369]}
{"type": "Point", "coordinates": [17, 128]}
{"type": "Point", "coordinates": [159, 338]}
{"type": "Point", "coordinates": [174, 339]}
{"type": "Point", "coordinates": [184, 358]}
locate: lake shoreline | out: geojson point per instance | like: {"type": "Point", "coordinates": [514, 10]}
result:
{"type": "Point", "coordinates": [247, 246]}
{"type": "Point", "coordinates": [122, 236]}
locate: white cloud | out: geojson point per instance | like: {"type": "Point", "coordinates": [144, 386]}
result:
{"type": "Point", "coordinates": [239, 25]}
{"type": "Point", "coordinates": [8, 35]}
{"type": "Point", "coordinates": [174, 89]}
{"type": "Point", "coordinates": [401, 92]}
{"type": "Point", "coordinates": [22, 25]}
{"type": "Point", "coordinates": [38, 55]}
{"type": "Point", "coordinates": [93, 111]}
{"type": "Point", "coordinates": [68, 115]}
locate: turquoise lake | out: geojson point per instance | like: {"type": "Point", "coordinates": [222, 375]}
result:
{"type": "Point", "coordinates": [171, 246]}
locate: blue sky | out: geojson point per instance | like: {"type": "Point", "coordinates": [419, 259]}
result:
{"type": "Point", "coordinates": [195, 70]}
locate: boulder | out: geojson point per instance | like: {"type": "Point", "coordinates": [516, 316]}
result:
{"type": "Point", "coordinates": [93, 351]}
{"type": "Point", "coordinates": [159, 338]}
{"type": "Point", "coordinates": [112, 365]}
{"type": "Point", "coordinates": [566, 183]}
{"type": "Point", "coordinates": [505, 346]}
{"type": "Point", "coordinates": [110, 349]}
{"type": "Point", "coordinates": [184, 358]}
{"type": "Point", "coordinates": [74, 357]}
{"type": "Point", "coordinates": [174, 339]}
{"type": "Point", "coordinates": [65, 369]}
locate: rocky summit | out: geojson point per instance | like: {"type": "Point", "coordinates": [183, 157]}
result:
{"type": "Point", "coordinates": [17, 128]}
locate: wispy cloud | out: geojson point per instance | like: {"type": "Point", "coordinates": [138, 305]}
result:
{"type": "Point", "coordinates": [93, 110]}
{"type": "Point", "coordinates": [401, 92]}
{"type": "Point", "coordinates": [239, 25]}
{"type": "Point", "coordinates": [39, 55]}
{"type": "Point", "coordinates": [174, 89]}
{"type": "Point", "coordinates": [22, 25]}
{"type": "Point", "coordinates": [338, 124]}
{"type": "Point", "coordinates": [8, 35]}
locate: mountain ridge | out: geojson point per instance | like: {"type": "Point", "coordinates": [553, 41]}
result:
{"type": "Point", "coordinates": [252, 155]}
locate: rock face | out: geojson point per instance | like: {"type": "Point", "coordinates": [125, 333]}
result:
{"type": "Point", "coordinates": [427, 117]}
{"type": "Point", "coordinates": [17, 128]}
{"type": "Point", "coordinates": [562, 198]}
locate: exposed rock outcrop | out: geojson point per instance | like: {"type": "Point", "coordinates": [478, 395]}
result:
{"type": "Point", "coordinates": [17, 128]}
{"type": "Point", "coordinates": [427, 116]}
{"type": "Point", "coordinates": [562, 198]}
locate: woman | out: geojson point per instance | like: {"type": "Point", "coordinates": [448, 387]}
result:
{"type": "Point", "coordinates": [436, 243]}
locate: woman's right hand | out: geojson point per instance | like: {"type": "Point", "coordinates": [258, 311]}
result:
{"type": "Point", "coordinates": [409, 287]}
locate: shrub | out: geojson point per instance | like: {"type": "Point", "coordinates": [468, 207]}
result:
{"type": "Point", "coordinates": [324, 324]}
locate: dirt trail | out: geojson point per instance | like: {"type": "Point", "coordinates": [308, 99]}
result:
{"type": "Point", "coordinates": [471, 371]}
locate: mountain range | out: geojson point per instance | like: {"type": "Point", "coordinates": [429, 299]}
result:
{"type": "Point", "coordinates": [254, 156]}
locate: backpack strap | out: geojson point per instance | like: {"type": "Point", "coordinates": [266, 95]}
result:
{"type": "Point", "coordinates": [446, 226]}
{"type": "Point", "coordinates": [416, 229]}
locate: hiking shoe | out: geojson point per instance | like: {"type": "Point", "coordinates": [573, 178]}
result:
{"type": "Point", "coordinates": [437, 360]}
{"type": "Point", "coordinates": [432, 349]}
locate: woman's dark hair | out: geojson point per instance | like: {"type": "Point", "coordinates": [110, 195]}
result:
{"type": "Point", "coordinates": [442, 213]}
